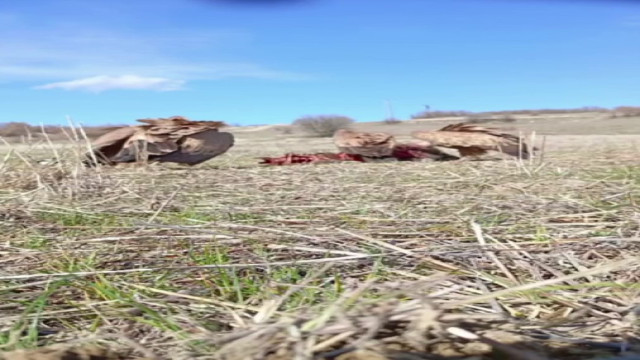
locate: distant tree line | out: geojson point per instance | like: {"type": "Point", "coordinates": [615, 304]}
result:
{"type": "Point", "coordinates": [322, 125]}
{"type": "Point", "coordinates": [620, 111]}
{"type": "Point", "coordinates": [55, 133]}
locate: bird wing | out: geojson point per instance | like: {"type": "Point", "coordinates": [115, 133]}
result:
{"type": "Point", "coordinates": [112, 137]}
{"type": "Point", "coordinates": [467, 135]}
{"type": "Point", "coordinates": [141, 143]}
{"type": "Point", "coordinates": [515, 140]}
{"type": "Point", "coordinates": [159, 137]}
{"type": "Point", "coordinates": [475, 140]}
{"type": "Point", "coordinates": [182, 123]}
{"type": "Point", "coordinates": [364, 143]}
{"type": "Point", "coordinates": [199, 147]}
{"type": "Point", "coordinates": [156, 144]}
{"type": "Point", "coordinates": [110, 144]}
{"type": "Point", "coordinates": [207, 143]}
{"type": "Point", "coordinates": [161, 121]}
{"type": "Point", "coordinates": [462, 127]}
{"type": "Point", "coordinates": [460, 139]}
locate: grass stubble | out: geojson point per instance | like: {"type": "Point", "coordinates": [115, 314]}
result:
{"type": "Point", "coordinates": [533, 259]}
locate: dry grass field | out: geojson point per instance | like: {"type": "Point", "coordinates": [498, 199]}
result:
{"type": "Point", "coordinates": [496, 259]}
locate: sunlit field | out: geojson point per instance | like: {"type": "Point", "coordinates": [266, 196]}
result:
{"type": "Point", "coordinates": [496, 259]}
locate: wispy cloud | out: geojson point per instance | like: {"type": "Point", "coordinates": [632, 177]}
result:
{"type": "Point", "coordinates": [75, 57]}
{"type": "Point", "coordinates": [102, 83]}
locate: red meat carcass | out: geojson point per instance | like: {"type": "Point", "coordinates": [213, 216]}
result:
{"type": "Point", "coordinates": [292, 158]}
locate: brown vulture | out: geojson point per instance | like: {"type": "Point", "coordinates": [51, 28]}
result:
{"type": "Point", "coordinates": [370, 145]}
{"type": "Point", "coordinates": [173, 139]}
{"type": "Point", "coordinates": [473, 140]}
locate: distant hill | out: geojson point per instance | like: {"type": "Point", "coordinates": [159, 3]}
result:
{"type": "Point", "coordinates": [21, 131]}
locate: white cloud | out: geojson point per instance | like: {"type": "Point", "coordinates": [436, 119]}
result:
{"type": "Point", "coordinates": [129, 82]}
{"type": "Point", "coordinates": [83, 57]}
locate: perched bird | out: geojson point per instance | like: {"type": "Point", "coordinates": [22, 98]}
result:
{"type": "Point", "coordinates": [370, 145]}
{"type": "Point", "coordinates": [173, 139]}
{"type": "Point", "coordinates": [473, 140]}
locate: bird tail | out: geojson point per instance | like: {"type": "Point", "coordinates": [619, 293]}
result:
{"type": "Point", "coordinates": [526, 152]}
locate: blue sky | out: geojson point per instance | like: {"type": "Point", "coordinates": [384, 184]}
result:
{"type": "Point", "coordinates": [111, 62]}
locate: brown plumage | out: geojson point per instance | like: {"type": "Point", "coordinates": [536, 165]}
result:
{"type": "Point", "coordinates": [473, 140]}
{"type": "Point", "coordinates": [371, 145]}
{"type": "Point", "coordinates": [173, 139]}
{"type": "Point", "coordinates": [416, 151]}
